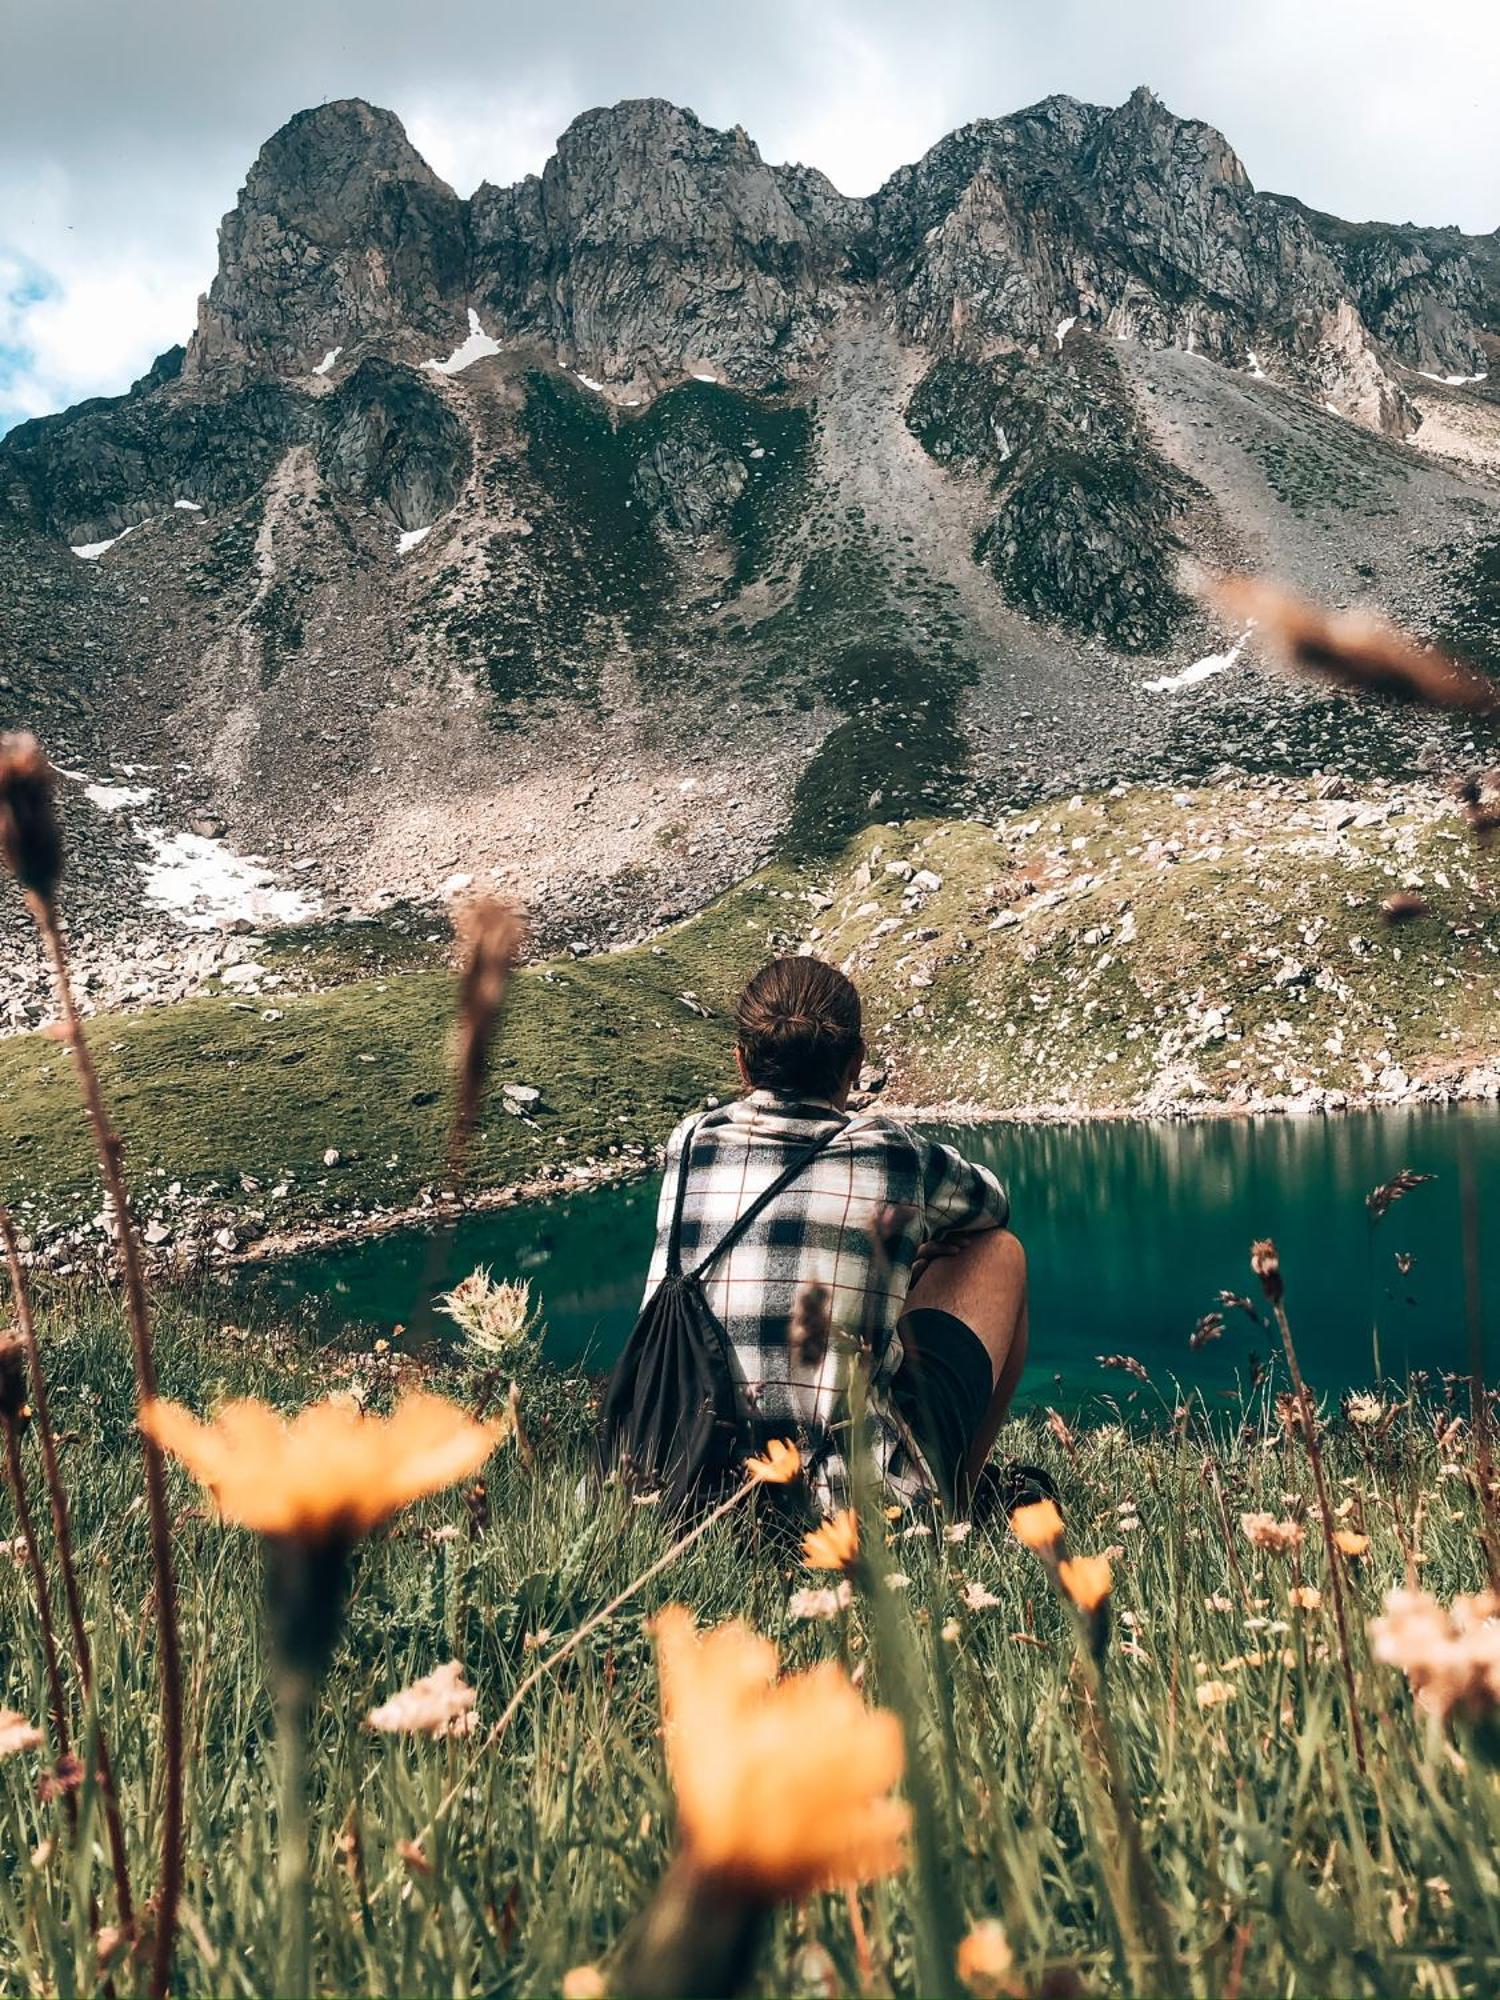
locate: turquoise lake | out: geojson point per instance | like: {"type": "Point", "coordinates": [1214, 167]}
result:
{"type": "Point", "coordinates": [1132, 1228]}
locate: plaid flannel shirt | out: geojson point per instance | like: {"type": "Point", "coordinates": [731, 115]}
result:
{"type": "Point", "coordinates": [850, 1223]}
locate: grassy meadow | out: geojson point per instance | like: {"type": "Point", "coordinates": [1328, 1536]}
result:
{"type": "Point", "coordinates": [1282, 1866]}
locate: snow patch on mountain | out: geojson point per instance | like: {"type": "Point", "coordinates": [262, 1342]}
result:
{"type": "Point", "coordinates": [115, 798]}
{"type": "Point", "coordinates": [1200, 670]}
{"type": "Point", "coordinates": [91, 551]}
{"type": "Point", "coordinates": [204, 884]}
{"type": "Point", "coordinates": [475, 348]}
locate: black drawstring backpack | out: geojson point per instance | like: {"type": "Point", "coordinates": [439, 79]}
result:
{"type": "Point", "coordinates": [673, 1417]}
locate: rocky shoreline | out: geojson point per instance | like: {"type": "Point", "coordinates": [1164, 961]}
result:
{"type": "Point", "coordinates": [217, 1242]}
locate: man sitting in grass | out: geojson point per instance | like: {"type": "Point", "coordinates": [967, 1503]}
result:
{"type": "Point", "coordinates": [882, 1239]}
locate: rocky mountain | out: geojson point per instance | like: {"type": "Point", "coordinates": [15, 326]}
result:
{"type": "Point", "coordinates": [608, 531]}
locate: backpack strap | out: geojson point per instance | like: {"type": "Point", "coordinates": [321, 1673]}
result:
{"type": "Point", "coordinates": [763, 1200]}
{"type": "Point", "coordinates": [674, 1236]}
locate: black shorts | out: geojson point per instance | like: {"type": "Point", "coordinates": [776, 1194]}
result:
{"type": "Point", "coordinates": [942, 1390]}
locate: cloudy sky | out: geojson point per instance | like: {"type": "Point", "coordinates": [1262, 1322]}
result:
{"type": "Point", "coordinates": [126, 126]}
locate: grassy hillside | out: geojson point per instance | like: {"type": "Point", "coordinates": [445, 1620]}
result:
{"type": "Point", "coordinates": [1135, 949]}
{"type": "Point", "coordinates": [1285, 1867]}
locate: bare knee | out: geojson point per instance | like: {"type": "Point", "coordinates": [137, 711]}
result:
{"type": "Point", "coordinates": [996, 1264]}
{"type": "Point", "coordinates": [1004, 1257]}
{"type": "Point", "coordinates": [983, 1283]}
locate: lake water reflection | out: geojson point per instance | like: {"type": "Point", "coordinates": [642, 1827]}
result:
{"type": "Point", "coordinates": [1132, 1229]}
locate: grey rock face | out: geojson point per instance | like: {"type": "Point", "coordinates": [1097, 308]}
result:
{"type": "Point", "coordinates": [653, 245]}
{"type": "Point", "coordinates": [387, 437]}
{"type": "Point", "coordinates": [1128, 222]}
{"type": "Point", "coordinates": [689, 485]}
{"type": "Point", "coordinates": [1428, 294]}
{"type": "Point", "coordinates": [1086, 508]}
{"type": "Point", "coordinates": [341, 232]}
{"type": "Point", "coordinates": [108, 464]}
{"type": "Point", "coordinates": [383, 437]}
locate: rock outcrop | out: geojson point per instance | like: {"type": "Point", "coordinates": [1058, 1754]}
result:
{"type": "Point", "coordinates": [1130, 223]}
{"type": "Point", "coordinates": [387, 438]}
{"type": "Point", "coordinates": [652, 246]}
{"type": "Point", "coordinates": [342, 233]}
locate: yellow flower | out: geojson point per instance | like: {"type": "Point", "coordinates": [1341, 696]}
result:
{"type": "Point", "coordinates": [333, 1473]}
{"type": "Point", "coordinates": [1038, 1525]}
{"type": "Point", "coordinates": [1350, 1544]}
{"type": "Point", "coordinates": [1086, 1579]}
{"type": "Point", "coordinates": [835, 1545]}
{"type": "Point", "coordinates": [1306, 1596]}
{"type": "Point", "coordinates": [783, 1787]}
{"type": "Point", "coordinates": [985, 1958]}
{"type": "Point", "coordinates": [1213, 1694]}
{"type": "Point", "coordinates": [779, 1467]}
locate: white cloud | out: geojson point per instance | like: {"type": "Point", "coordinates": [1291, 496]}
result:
{"type": "Point", "coordinates": [80, 317]}
{"type": "Point", "coordinates": [125, 132]}
{"type": "Point", "coordinates": [473, 134]}
{"type": "Point", "coordinates": [878, 105]}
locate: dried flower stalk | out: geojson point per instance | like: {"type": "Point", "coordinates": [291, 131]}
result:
{"type": "Point", "coordinates": [31, 848]}
{"type": "Point", "coordinates": [1266, 1265]}
{"type": "Point", "coordinates": [1354, 649]}
{"type": "Point", "coordinates": [63, 1537]}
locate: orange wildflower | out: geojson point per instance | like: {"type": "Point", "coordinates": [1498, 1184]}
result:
{"type": "Point", "coordinates": [834, 1545]}
{"type": "Point", "coordinates": [1086, 1579]}
{"type": "Point", "coordinates": [1351, 1544]}
{"type": "Point", "coordinates": [584, 1982]}
{"type": "Point", "coordinates": [331, 1474]}
{"type": "Point", "coordinates": [1038, 1525]}
{"type": "Point", "coordinates": [984, 1957]}
{"type": "Point", "coordinates": [733, 1735]}
{"type": "Point", "coordinates": [780, 1466]}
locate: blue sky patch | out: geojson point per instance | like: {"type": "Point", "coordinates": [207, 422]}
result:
{"type": "Point", "coordinates": [23, 284]}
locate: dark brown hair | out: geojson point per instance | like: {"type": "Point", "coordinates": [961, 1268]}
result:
{"type": "Point", "coordinates": [798, 1023]}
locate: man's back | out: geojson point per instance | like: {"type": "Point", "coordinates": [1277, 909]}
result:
{"type": "Point", "coordinates": [836, 1247]}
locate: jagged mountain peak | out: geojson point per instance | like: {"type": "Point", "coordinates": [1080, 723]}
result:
{"type": "Point", "coordinates": [340, 134]}
{"type": "Point", "coordinates": [653, 244]}
{"type": "Point", "coordinates": [651, 124]}
{"type": "Point", "coordinates": [1142, 131]}
{"type": "Point", "coordinates": [650, 166]}
{"type": "Point", "coordinates": [341, 231]}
